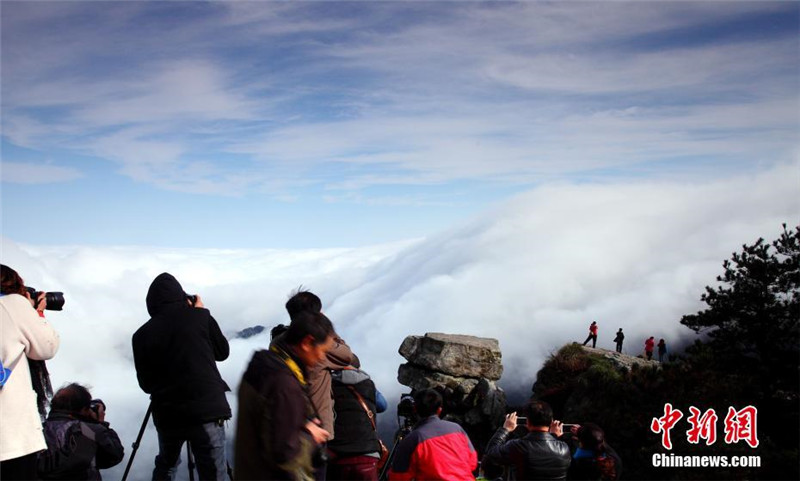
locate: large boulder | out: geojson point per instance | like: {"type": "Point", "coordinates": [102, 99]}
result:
{"type": "Point", "coordinates": [464, 370]}
{"type": "Point", "coordinates": [455, 354]}
{"type": "Point", "coordinates": [419, 378]}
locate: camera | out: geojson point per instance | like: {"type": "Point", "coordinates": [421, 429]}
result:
{"type": "Point", "coordinates": [95, 404]}
{"type": "Point", "coordinates": [406, 410]}
{"type": "Point", "coordinates": [192, 298]}
{"type": "Point", "coordinates": [405, 407]}
{"type": "Point", "coordinates": [54, 301]}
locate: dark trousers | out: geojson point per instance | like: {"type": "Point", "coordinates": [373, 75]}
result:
{"type": "Point", "coordinates": [208, 447]}
{"type": "Point", "coordinates": [619, 346]}
{"type": "Point", "coordinates": [22, 468]}
{"type": "Point", "coordinates": [593, 338]}
{"type": "Point", "coordinates": [355, 468]}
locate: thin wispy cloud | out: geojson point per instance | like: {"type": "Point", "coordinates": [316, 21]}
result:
{"type": "Point", "coordinates": [26, 173]}
{"type": "Point", "coordinates": [275, 93]}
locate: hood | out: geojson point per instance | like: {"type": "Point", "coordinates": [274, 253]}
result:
{"type": "Point", "coordinates": [165, 291]}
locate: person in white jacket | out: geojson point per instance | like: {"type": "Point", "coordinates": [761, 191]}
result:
{"type": "Point", "coordinates": [24, 335]}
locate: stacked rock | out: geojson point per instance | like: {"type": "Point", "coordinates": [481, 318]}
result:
{"type": "Point", "coordinates": [464, 369]}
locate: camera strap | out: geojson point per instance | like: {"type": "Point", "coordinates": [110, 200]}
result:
{"type": "Point", "coordinates": [361, 401]}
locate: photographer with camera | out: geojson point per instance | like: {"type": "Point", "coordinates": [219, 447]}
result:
{"type": "Point", "coordinates": [79, 440]}
{"type": "Point", "coordinates": [175, 355]}
{"type": "Point", "coordinates": [278, 435]}
{"type": "Point", "coordinates": [26, 341]}
{"type": "Point", "coordinates": [434, 449]}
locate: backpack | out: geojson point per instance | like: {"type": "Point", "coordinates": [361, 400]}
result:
{"type": "Point", "coordinates": [70, 453]}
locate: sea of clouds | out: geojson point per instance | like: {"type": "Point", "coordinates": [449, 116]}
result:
{"type": "Point", "coordinates": [532, 272]}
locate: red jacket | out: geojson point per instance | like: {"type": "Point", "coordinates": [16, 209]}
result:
{"type": "Point", "coordinates": [648, 345]}
{"type": "Point", "coordinates": [434, 450]}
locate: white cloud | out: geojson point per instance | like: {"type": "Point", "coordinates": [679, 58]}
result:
{"type": "Point", "coordinates": [593, 72]}
{"type": "Point", "coordinates": [531, 272]}
{"type": "Point", "coordinates": [39, 173]}
{"type": "Point", "coordinates": [179, 90]}
{"type": "Point", "coordinates": [397, 93]}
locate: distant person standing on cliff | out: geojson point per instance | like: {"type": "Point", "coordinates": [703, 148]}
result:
{"type": "Point", "coordinates": [592, 334]}
{"type": "Point", "coordinates": [620, 337]}
{"type": "Point", "coordinates": [648, 347]}
{"type": "Point", "coordinates": [662, 350]}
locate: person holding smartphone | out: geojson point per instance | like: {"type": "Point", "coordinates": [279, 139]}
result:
{"type": "Point", "coordinates": [537, 455]}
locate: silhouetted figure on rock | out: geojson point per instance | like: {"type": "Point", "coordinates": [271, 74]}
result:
{"type": "Point", "coordinates": [592, 334]}
{"type": "Point", "coordinates": [620, 337]}
{"type": "Point", "coordinates": [648, 347]}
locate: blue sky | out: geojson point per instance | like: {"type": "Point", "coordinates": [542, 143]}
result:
{"type": "Point", "coordinates": [323, 124]}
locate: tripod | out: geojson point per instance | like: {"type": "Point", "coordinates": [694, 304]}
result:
{"type": "Point", "coordinates": [402, 431]}
{"type": "Point", "coordinates": [189, 456]}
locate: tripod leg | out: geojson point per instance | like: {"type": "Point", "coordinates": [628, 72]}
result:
{"type": "Point", "coordinates": [398, 436]}
{"type": "Point", "coordinates": [138, 440]}
{"type": "Point", "coordinates": [190, 460]}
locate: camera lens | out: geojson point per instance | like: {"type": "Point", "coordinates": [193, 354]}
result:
{"type": "Point", "coordinates": [55, 301]}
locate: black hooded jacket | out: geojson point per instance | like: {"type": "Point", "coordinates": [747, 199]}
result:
{"type": "Point", "coordinates": [175, 354]}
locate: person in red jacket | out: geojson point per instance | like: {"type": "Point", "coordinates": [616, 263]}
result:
{"type": "Point", "coordinates": [648, 347]}
{"type": "Point", "coordinates": [434, 449]}
{"type": "Point", "coordinates": [592, 334]}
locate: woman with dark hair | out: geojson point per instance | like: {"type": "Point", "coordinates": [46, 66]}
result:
{"type": "Point", "coordinates": [26, 341]}
{"type": "Point", "coordinates": [594, 459]}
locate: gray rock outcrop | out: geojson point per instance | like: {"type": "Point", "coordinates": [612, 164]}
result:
{"type": "Point", "coordinates": [622, 361]}
{"type": "Point", "coordinates": [455, 354]}
{"type": "Point", "coordinates": [465, 370]}
{"type": "Point", "coordinates": [250, 332]}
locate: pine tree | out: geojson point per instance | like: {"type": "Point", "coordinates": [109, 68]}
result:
{"type": "Point", "coordinates": [753, 316]}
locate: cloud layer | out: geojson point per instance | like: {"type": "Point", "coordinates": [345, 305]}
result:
{"type": "Point", "coordinates": [531, 272]}
{"type": "Point", "coordinates": [239, 98]}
